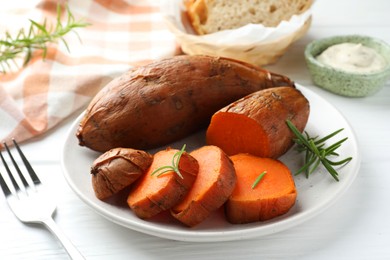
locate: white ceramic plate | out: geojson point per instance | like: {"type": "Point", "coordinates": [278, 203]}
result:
{"type": "Point", "coordinates": [314, 194]}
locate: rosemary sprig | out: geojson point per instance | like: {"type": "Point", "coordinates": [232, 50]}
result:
{"type": "Point", "coordinates": [316, 153]}
{"type": "Point", "coordinates": [37, 37]}
{"type": "Point", "coordinates": [258, 179]}
{"type": "Point", "coordinates": [174, 167]}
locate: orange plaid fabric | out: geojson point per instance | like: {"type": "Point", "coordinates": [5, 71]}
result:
{"type": "Point", "coordinates": [122, 34]}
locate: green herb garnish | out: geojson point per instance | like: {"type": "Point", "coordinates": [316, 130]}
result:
{"type": "Point", "coordinates": [316, 153]}
{"type": "Point", "coordinates": [174, 167]}
{"type": "Point", "coordinates": [258, 179]}
{"type": "Point", "coordinates": [38, 36]}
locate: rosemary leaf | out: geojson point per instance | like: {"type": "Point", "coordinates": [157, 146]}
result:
{"type": "Point", "coordinates": [161, 170]}
{"type": "Point", "coordinates": [314, 167]}
{"type": "Point", "coordinates": [324, 139]}
{"type": "Point", "coordinates": [258, 179]}
{"type": "Point", "coordinates": [346, 160]}
{"type": "Point", "coordinates": [336, 145]}
{"type": "Point", "coordinates": [330, 169]}
{"type": "Point", "coordinates": [306, 167]}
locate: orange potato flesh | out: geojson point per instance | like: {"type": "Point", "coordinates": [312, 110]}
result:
{"type": "Point", "coordinates": [154, 194]}
{"type": "Point", "coordinates": [215, 182]}
{"type": "Point", "coordinates": [273, 196]}
{"type": "Point", "coordinates": [237, 130]}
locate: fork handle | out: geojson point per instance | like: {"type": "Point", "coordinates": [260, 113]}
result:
{"type": "Point", "coordinates": [69, 247]}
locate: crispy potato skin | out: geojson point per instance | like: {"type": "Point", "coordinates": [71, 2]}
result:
{"type": "Point", "coordinates": [167, 100]}
{"type": "Point", "coordinates": [116, 169]}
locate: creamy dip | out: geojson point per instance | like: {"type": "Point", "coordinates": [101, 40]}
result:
{"type": "Point", "coordinates": [352, 57]}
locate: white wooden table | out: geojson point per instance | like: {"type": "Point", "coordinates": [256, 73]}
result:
{"type": "Point", "coordinates": [357, 226]}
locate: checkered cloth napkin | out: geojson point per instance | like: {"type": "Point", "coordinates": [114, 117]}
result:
{"type": "Point", "coordinates": [122, 34]}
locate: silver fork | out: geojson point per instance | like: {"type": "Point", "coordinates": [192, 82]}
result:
{"type": "Point", "coordinates": [29, 201]}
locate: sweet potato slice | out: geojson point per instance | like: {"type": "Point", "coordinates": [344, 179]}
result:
{"type": "Point", "coordinates": [155, 193]}
{"type": "Point", "coordinates": [117, 169]}
{"type": "Point", "coordinates": [273, 196]}
{"type": "Point", "coordinates": [256, 124]}
{"type": "Point", "coordinates": [162, 102]}
{"type": "Point", "coordinates": [213, 186]}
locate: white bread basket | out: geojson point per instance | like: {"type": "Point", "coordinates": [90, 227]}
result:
{"type": "Point", "coordinates": [252, 43]}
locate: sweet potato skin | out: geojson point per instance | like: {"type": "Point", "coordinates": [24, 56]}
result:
{"type": "Point", "coordinates": [151, 195]}
{"type": "Point", "coordinates": [256, 124]}
{"type": "Point", "coordinates": [274, 196]}
{"type": "Point", "coordinates": [167, 100]}
{"type": "Point", "coordinates": [214, 184]}
{"type": "Point", "coordinates": [116, 169]}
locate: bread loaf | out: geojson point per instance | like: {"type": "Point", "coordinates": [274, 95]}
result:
{"type": "Point", "coordinates": [208, 16]}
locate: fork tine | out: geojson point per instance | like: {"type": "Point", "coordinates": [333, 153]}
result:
{"type": "Point", "coordinates": [4, 186]}
{"type": "Point", "coordinates": [14, 183]}
{"type": "Point", "coordinates": [21, 176]}
{"type": "Point", "coordinates": [29, 168]}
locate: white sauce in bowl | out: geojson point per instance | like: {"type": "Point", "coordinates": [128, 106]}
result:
{"type": "Point", "coordinates": [352, 57]}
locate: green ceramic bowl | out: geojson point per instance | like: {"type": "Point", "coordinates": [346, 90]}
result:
{"type": "Point", "coordinates": [346, 83]}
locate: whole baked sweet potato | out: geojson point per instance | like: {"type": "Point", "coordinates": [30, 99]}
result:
{"type": "Point", "coordinates": [164, 101]}
{"type": "Point", "coordinates": [117, 169]}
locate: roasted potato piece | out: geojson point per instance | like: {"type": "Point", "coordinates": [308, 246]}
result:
{"type": "Point", "coordinates": [256, 124]}
{"type": "Point", "coordinates": [155, 193]}
{"type": "Point", "coordinates": [117, 169]}
{"type": "Point", "coordinates": [274, 195]}
{"type": "Point", "coordinates": [212, 188]}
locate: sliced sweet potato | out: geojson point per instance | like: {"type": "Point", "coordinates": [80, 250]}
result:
{"type": "Point", "coordinates": [214, 184]}
{"type": "Point", "coordinates": [154, 193]}
{"type": "Point", "coordinates": [117, 169]}
{"type": "Point", "coordinates": [272, 196]}
{"type": "Point", "coordinates": [256, 124]}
